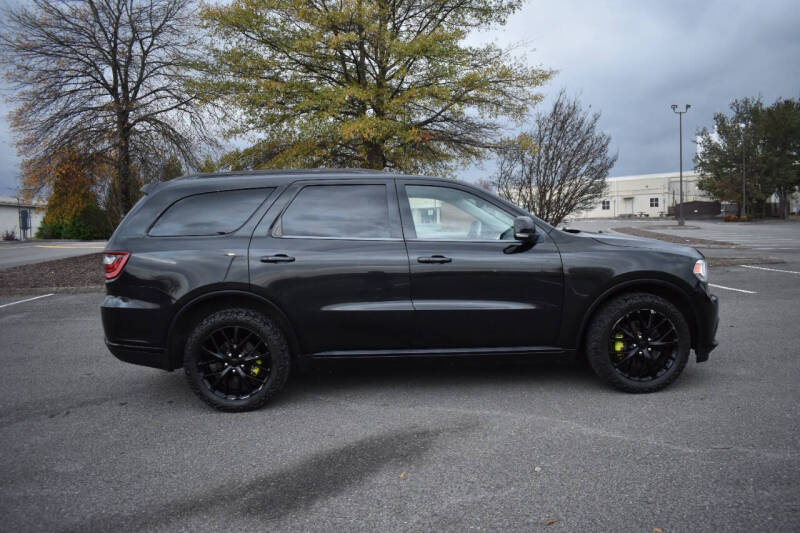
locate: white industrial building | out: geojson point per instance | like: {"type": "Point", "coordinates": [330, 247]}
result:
{"type": "Point", "coordinates": [645, 195]}
{"type": "Point", "coordinates": [15, 211]}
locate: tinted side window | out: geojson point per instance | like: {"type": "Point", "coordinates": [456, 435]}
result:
{"type": "Point", "coordinates": [213, 213]}
{"type": "Point", "coordinates": [343, 211]}
{"type": "Point", "coordinates": [444, 213]}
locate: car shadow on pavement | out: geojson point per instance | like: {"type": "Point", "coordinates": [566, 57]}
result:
{"type": "Point", "coordinates": [291, 489]}
{"type": "Point", "coordinates": [431, 377]}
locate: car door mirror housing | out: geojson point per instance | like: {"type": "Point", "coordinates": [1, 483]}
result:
{"type": "Point", "coordinates": [524, 229]}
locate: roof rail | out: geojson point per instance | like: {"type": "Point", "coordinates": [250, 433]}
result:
{"type": "Point", "coordinates": [283, 171]}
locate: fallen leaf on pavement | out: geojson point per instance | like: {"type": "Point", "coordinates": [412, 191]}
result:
{"type": "Point", "coordinates": [402, 475]}
{"type": "Point", "coordinates": [550, 522]}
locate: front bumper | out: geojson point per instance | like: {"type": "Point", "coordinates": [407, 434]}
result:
{"type": "Point", "coordinates": [707, 312]}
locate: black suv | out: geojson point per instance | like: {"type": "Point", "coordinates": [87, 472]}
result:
{"type": "Point", "coordinates": [238, 277]}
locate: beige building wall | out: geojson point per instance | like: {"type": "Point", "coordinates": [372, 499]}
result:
{"type": "Point", "coordinates": [9, 215]}
{"type": "Point", "coordinates": [644, 195]}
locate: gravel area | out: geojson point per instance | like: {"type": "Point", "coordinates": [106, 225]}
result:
{"type": "Point", "coordinates": [81, 272]}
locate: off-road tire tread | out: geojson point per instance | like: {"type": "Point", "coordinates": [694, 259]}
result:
{"type": "Point", "coordinates": [274, 338]}
{"type": "Point", "coordinates": [599, 331]}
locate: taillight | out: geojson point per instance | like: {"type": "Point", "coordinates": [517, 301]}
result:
{"type": "Point", "coordinates": [114, 263]}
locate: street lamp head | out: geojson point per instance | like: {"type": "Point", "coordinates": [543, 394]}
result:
{"type": "Point", "coordinates": [674, 107]}
{"type": "Point", "coordinates": [688, 106]}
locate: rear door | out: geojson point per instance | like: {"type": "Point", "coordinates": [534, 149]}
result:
{"type": "Point", "coordinates": [472, 285]}
{"type": "Point", "coordinates": [330, 254]}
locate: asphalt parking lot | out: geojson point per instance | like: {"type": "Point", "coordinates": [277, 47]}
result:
{"type": "Point", "coordinates": [764, 237]}
{"type": "Point", "coordinates": [23, 253]}
{"type": "Point", "coordinates": [93, 444]}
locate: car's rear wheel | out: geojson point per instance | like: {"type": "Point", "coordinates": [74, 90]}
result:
{"type": "Point", "coordinates": [236, 360]}
{"type": "Point", "coordinates": [638, 342]}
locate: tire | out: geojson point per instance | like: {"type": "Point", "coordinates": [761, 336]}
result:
{"type": "Point", "coordinates": [623, 346]}
{"type": "Point", "coordinates": [236, 377]}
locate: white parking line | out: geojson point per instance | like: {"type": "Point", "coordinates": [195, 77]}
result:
{"type": "Point", "coordinates": [27, 300]}
{"type": "Point", "coordinates": [731, 289]}
{"type": "Point", "coordinates": [771, 269]}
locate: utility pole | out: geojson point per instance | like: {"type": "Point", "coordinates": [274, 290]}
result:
{"type": "Point", "coordinates": [681, 222]}
{"type": "Point", "coordinates": [742, 126]}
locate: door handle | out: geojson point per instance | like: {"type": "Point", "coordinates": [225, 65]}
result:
{"type": "Point", "coordinates": [277, 258]}
{"type": "Point", "coordinates": [434, 259]}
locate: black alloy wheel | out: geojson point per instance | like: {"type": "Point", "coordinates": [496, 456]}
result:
{"type": "Point", "coordinates": [644, 345]}
{"type": "Point", "coordinates": [236, 359]}
{"type": "Point", "coordinates": [234, 362]}
{"type": "Point", "coordinates": [638, 342]}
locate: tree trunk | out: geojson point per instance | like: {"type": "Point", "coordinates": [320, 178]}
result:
{"type": "Point", "coordinates": [124, 171]}
{"type": "Point", "coordinates": [375, 158]}
{"type": "Point", "coordinates": [782, 203]}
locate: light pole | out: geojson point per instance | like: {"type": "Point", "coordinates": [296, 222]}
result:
{"type": "Point", "coordinates": [680, 150]}
{"type": "Point", "coordinates": [742, 126]}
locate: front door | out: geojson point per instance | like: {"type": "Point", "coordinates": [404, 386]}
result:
{"type": "Point", "coordinates": [331, 256]}
{"type": "Point", "coordinates": [472, 285]}
{"type": "Point", "coordinates": [627, 206]}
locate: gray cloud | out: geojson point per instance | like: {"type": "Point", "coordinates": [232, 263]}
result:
{"type": "Point", "coordinates": [631, 60]}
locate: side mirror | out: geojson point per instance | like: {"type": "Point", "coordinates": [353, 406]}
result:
{"type": "Point", "coordinates": [524, 229]}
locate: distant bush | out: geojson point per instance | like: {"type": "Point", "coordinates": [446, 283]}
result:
{"type": "Point", "coordinates": [49, 230]}
{"type": "Point", "coordinates": [734, 218]}
{"type": "Point", "coordinates": [90, 223]}
{"type": "Point", "coordinates": [9, 235]}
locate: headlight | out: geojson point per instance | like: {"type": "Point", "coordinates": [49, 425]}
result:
{"type": "Point", "coordinates": [701, 270]}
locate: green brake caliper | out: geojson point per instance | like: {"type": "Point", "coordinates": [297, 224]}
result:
{"type": "Point", "coordinates": [618, 345]}
{"type": "Point", "coordinates": [256, 368]}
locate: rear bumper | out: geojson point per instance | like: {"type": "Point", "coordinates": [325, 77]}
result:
{"type": "Point", "coordinates": [134, 331]}
{"type": "Point", "coordinates": [140, 355]}
{"type": "Point", "coordinates": [707, 323]}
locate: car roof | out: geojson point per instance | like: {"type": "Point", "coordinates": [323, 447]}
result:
{"type": "Point", "coordinates": [273, 178]}
{"type": "Point", "coordinates": [311, 173]}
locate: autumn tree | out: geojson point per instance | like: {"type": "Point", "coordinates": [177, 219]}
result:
{"type": "Point", "coordinates": [779, 126]}
{"type": "Point", "coordinates": [560, 165]}
{"type": "Point", "coordinates": [375, 84]}
{"type": "Point", "coordinates": [73, 210]}
{"type": "Point", "coordinates": [104, 78]}
{"type": "Point", "coordinates": [756, 147]}
{"type": "Point", "coordinates": [723, 150]}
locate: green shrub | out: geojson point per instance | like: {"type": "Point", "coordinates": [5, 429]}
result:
{"type": "Point", "coordinates": [90, 223]}
{"type": "Point", "coordinates": [50, 230]}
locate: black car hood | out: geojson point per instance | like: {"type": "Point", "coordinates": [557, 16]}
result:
{"type": "Point", "coordinates": [638, 242]}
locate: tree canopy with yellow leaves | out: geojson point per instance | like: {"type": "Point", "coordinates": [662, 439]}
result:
{"type": "Point", "coordinates": [373, 84]}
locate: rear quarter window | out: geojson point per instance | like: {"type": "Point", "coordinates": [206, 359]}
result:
{"type": "Point", "coordinates": [337, 211]}
{"type": "Point", "coordinates": [211, 213]}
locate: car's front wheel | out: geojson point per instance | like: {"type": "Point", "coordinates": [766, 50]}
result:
{"type": "Point", "coordinates": [236, 359]}
{"type": "Point", "coordinates": [638, 342]}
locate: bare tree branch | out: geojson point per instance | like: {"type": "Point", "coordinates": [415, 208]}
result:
{"type": "Point", "coordinates": [560, 166]}
{"type": "Point", "coordinates": [103, 77]}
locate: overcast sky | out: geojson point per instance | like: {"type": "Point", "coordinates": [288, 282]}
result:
{"type": "Point", "coordinates": [631, 59]}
